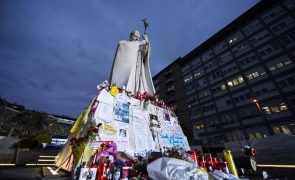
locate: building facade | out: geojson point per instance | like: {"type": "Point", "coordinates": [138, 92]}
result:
{"type": "Point", "coordinates": [238, 83]}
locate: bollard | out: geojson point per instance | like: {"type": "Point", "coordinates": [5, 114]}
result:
{"type": "Point", "coordinates": [230, 162]}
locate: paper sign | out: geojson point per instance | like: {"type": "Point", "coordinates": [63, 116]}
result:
{"type": "Point", "coordinates": [137, 113]}
{"type": "Point", "coordinates": [171, 140]}
{"type": "Point", "coordinates": [104, 112]}
{"type": "Point", "coordinates": [140, 128]}
{"type": "Point", "coordinates": [105, 97]}
{"type": "Point", "coordinates": [141, 144]}
{"type": "Point", "coordinates": [122, 145]}
{"type": "Point", "coordinates": [108, 132]}
{"type": "Point", "coordinates": [150, 141]}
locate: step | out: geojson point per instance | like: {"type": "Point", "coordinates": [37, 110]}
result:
{"type": "Point", "coordinates": [51, 172]}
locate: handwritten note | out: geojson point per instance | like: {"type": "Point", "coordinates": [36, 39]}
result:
{"type": "Point", "coordinates": [172, 140]}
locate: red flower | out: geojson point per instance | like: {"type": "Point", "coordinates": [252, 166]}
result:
{"type": "Point", "coordinates": [80, 139]}
{"type": "Point", "coordinates": [95, 130]}
{"type": "Point", "coordinates": [74, 139]}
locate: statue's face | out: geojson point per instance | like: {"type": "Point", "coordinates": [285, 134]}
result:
{"type": "Point", "coordinates": [134, 36]}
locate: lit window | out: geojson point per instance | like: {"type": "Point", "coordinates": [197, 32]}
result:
{"type": "Point", "coordinates": [200, 126]}
{"type": "Point", "coordinates": [235, 82]}
{"type": "Point", "coordinates": [286, 130]}
{"type": "Point", "coordinates": [232, 40]}
{"type": "Point", "coordinates": [188, 78]}
{"type": "Point", "coordinates": [249, 76]}
{"type": "Point", "coordinates": [275, 109]}
{"type": "Point", "coordinates": [223, 87]}
{"type": "Point", "coordinates": [255, 74]}
{"type": "Point", "coordinates": [276, 130]}
{"type": "Point", "coordinates": [279, 65]}
{"type": "Point", "coordinates": [272, 68]}
{"type": "Point", "coordinates": [258, 135]}
{"type": "Point", "coordinates": [266, 110]}
{"type": "Point", "coordinates": [288, 62]}
{"type": "Point", "coordinates": [283, 107]}
{"type": "Point", "coordinates": [196, 74]}
{"type": "Point", "coordinates": [240, 79]}
{"type": "Point", "coordinates": [229, 83]}
{"type": "Point", "coordinates": [251, 136]}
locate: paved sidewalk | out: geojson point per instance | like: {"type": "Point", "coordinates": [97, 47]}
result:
{"type": "Point", "coordinates": [26, 173]}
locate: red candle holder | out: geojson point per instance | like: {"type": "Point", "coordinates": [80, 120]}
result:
{"type": "Point", "coordinates": [102, 172]}
{"type": "Point", "coordinates": [125, 172]}
{"type": "Point", "coordinates": [194, 156]}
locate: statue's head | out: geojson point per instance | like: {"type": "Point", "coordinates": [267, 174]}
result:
{"type": "Point", "coordinates": [134, 35]}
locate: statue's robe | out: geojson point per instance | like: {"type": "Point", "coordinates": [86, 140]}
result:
{"type": "Point", "coordinates": [131, 67]}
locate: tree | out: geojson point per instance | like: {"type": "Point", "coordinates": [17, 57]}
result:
{"type": "Point", "coordinates": [31, 122]}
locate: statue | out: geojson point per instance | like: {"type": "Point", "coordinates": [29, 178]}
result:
{"type": "Point", "coordinates": [131, 64]}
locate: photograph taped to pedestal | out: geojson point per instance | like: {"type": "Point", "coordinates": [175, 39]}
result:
{"type": "Point", "coordinates": [166, 116]}
{"type": "Point", "coordinates": [88, 174]}
{"type": "Point", "coordinates": [123, 133]}
{"type": "Point", "coordinates": [154, 122]}
{"type": "Point", "coordinates": [121, 111]}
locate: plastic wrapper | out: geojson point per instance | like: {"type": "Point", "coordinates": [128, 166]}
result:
{"type": "Point", "coordinates": [175, 169]}
{"type": "Point", "coordinates": [219, 175]}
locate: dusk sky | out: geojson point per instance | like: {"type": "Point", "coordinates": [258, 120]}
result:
{"type": "Point", "coordinates": [53, 53]}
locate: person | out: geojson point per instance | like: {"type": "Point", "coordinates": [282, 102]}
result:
{"type": "Point", "coordinates": [131, 65]}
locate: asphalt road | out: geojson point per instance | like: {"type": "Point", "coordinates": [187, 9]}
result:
{"type": "Point", "coordinates": [280, 173]}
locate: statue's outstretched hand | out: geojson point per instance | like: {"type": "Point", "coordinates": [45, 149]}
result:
{"type": "Point", "coordinates": [145, 37]}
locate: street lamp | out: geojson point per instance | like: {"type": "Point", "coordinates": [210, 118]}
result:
{"type": "Point", "coordinates": [256, 102]}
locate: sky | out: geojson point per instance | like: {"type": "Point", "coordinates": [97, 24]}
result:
{"type": "Point", "coordinates": [53, 53]}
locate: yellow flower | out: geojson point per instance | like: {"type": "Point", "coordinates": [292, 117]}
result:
{"type": "Point", "coordinates": [114, 91]}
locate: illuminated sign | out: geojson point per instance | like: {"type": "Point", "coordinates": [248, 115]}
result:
{"type": "Point", "coordinates": [55, 142]}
